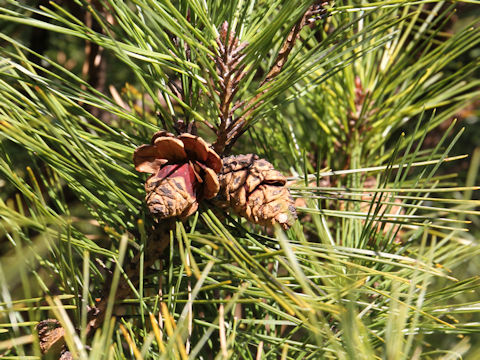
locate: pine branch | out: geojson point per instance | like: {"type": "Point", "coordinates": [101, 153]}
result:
{"type": "Point", "coordinates": [230, 73]}
{"type": "Point", "coordinates": [229, 130]}
{"type": "Point", "coordinates": [338, 284]}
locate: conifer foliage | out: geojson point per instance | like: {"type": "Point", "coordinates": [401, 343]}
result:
{"type": "Point", "coordinates": [209, 179]}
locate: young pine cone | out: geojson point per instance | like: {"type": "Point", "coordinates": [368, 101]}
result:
{"type": "Point", "coordinates": [256, 191]}
{"type": "Point", "coordinates": [184, 172]}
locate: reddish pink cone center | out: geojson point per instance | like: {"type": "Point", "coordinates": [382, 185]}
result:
{"type": "Point", "coordinates": [184, 171]}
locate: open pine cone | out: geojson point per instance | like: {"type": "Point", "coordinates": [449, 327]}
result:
{"type": "Point", "coordinates": [184, 172]}
{"type": "Point", "coordinates": [256, 191]}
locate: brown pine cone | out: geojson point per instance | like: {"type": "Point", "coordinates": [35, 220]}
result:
{"type": "Point", "coordinates": [51, 337]}
{"type": "Point", "coordinates": [184, 172]}
{"type": "Point", "coordinates": [256, 191]}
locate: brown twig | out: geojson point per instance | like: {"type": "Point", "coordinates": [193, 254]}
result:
{"type": "Point", "coordinates": [310, 16]}
{"type": "Point", "coordinates": [230, 131]}
{"type": "Point", "coordinates": [94, 68]}
{"type": "Point", "coordinates": [230, 71]}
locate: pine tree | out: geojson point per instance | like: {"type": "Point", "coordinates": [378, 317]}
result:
{"type": "Point", "coordinates": [300, 204]}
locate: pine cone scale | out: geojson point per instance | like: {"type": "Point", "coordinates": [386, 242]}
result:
{"type": "Point", "coordinates": [170, 149]}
